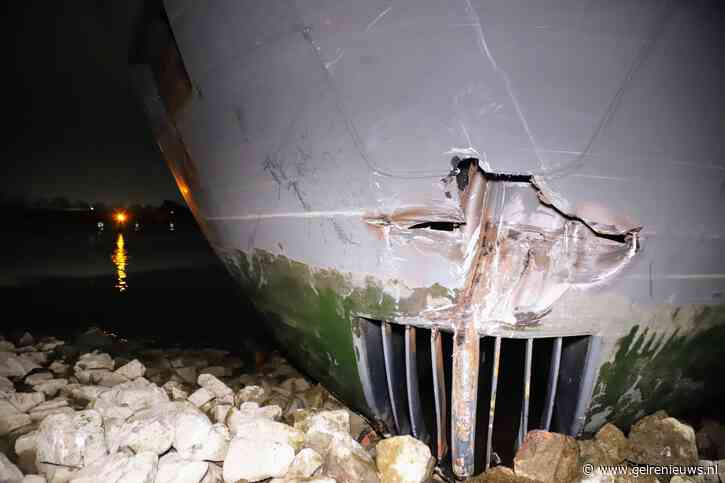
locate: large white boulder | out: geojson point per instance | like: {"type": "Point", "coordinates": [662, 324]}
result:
{"type": "Point", "coordinates": [267, 430]}
{"type": "Point", "coordinates": [145, 431]}
{"type": "Point", "coordinates": [136, 395]}
{"type": "Point", "coordinates": [403, 459]}
{"type": "Point", "coordinates": [6, 387]}
{"type": "Point", "coordinates": [25, 449]}
{"type": "Point", "coordinates": [256, 460]}
{"type": "Point", "coordinates": [132, 370]}
{"type": "Point", "coordinates": [201, 396]}
{"type": "Point", "coordinates": [58, 405]}
{"type": "Point", "coordinates": [197, 438]}
{"type": "Point", "coordinates": [251, 411]}
{"type": "Point", "coordinates": [13, 365]}
{"type": "Point", "coordinates": [51, 387]}
{"type": "Point", "coordinates": [93, 361]}
{"type": "Point", "coordinates": [216, 387]}
{"type": "Point", "coordinates": [175, 468]}
{"type": "Point", "coordinates": [34, 479]}
{"type": "Point", "coordinates": [121, 467]}
{"type": "Point", "coordinates": [25, 401]}
{"type": "Point", "coordinates": [10, 418]}
{"type": "Point", "coordinates": [37, 378]}
{"type": "Point", "coordinates": [306, 462]}
{"type": "Point", "coordinates": [348, 462]}
{"type": "Point", "coordinates": [9, 473]}
{"type": "Point", "coordinates": [70, 440]}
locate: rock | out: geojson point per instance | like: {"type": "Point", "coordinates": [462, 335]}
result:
{"type": "Point", "coordinates": [214, 474]}
{"type": "Point", "coordinates": [193, 434]}
{"type": "Point", "coordinates": [315, 397]}
{"type": "Point", "coordinates": [188, 374]}
{"type": "Point", "coordinates": [120, 467]}
{"type": "Point", "coordinates": [34, 479]}
{"type": "Point", "coordinates": [132, 370]}
{"type": "Point", "coordinates": [254, 460]}
{"type": "Point", "coordinates": [710, 440]}
{"type": "Point", "coordinates": [6, 345]}
{"type": "Point", "coordinates": [338, 420]}
{"type": "Point", "coordinates": [201, 396]}
{"type": "Point", "coordinates": [216, 387]}
{"type": "Point", "coordinates": [82, 394]}
{"type": "Point", "coordinates": [26, 340]}
{"type": "Point", "coordinates": [250, 394]}
{"type": "Point", "coordinates": [358, 425]}
{"type": "Point", "coordinates": [6, 386]}
{"type": "Point", "coordinates": [499, 474]}
{"type": "Point", "coordinates": [147, 430]}
{"type": "Point", "coordinates": [609, 447]}
{"type": "Point", "coordinates": [58, 405]}
{"type": "Point", "coordinates": [321, 429]}
{"type": "Point", "coordinates": [108, 379]}
{"type": "Point", "coordinates": [25, 401]}
{"type": "Point", "coordinates": [547, 458]}
{"type": "Point", "coordinates": [25, 449]}
{"type": "Point", "coordinates": [50, 343]}
{"type": "Point", "coordinates": [59, 474]}
{"type": "Point", "coordinates": [59, 368]}
{"type": "Point", "coordinates": [661, 440]}
{"type": "Point", "coordinates": [135, 395]}
{"type": "Point", "coordinates": [94, 360]}
{"type": "Point", "coordinates": [70, 440]}
{"type": "Point", "coordinates": [348, 462]}
{"type": "Point", "coordinates": [175, 391]}
{"type": "Point", "coordinates": [248, 411]}
{"type": "Point", "coordinates": [12, 365]}
{"type": "Point", "coordinates": [37, 378]}
{"type": "Point", "coordinates": [714, 471]}
{"type": "Point", "coordinates": [174, 468]}
{"type": "Point", "coordinates": [40, 358]}
{"type": "Point", "coordinates": [306, 462]}
{"type": "Point", "coordinates": [51, 387]}
{"type": "Point", "coordinates": [9, 473]}
{"type": "Point", "coordinates": [295, 384]}
{"type": "Point", "coordinates": [10, 418]}
{"type": "Point", "coordinates": [197, 438]}
{"type": "Point", "coordinates": [403, 459]}
{"type": "Point", "coordinates": [268, 430]}
{"type": "Point", "coordinates": [219, 412]}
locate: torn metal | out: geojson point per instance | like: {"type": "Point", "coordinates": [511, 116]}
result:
{"type": "Point", "coordinates": [517, 249]}
{"type": "Point", "coordinates": [515, 245]}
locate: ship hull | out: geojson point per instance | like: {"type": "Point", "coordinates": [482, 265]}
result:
{"type": "Point", "coordinates": [485, 169]}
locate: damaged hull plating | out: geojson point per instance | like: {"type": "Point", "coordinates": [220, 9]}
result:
{"type": "Point", "coordinates": [481, 169]}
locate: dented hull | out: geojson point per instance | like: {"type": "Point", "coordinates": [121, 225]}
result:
{"type": "Point", "coordinates": [485, 169]}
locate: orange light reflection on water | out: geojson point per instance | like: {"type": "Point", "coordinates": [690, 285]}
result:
{"type": "Point", "coordinates": [120, 259]}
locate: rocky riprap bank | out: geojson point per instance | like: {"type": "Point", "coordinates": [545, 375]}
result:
{"type": "Point", "coordinates": [70, 412]}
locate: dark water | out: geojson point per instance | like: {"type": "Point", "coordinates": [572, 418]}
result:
{"type": "Point", "coordinates": [59, 275]}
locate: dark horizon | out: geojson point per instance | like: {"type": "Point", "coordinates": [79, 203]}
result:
{"type": "Point", "coordinates": [78, 130]}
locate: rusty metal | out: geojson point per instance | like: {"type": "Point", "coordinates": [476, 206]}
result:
{"type": "Point", "coordinates": [417, 422]}
{"type": "Point", "coordinates": [439, 393]}
{"type": "Point", "coordinates": [551, 386]}
{"type": "Point", "coordinates": [524, 421]}
{"type": "Point", "coordinates": [466, 352]}
{"type": "Point", "coordinates": [394, 375]}
{"type": "Point", "coordinates": [492, 404]}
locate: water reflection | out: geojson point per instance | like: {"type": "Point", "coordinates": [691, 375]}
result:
{"type": "Point", "coordinates": [120, 259]}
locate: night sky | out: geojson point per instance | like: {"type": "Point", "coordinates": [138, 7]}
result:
{"type": "Point", "coordinates": [77, 129]}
